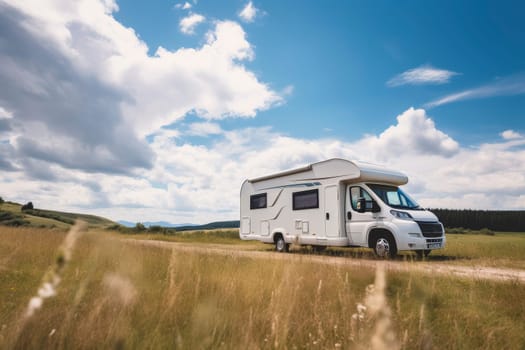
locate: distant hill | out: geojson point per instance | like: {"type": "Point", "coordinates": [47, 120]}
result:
{"type": "Point", "coordinates": [152, 223]}
{"type": "Point", "coordinates": [11, 214]}
{"type": "Point", "coordinates": [211, 226]}
{"type": "Point", "coordinates": [185, 227]}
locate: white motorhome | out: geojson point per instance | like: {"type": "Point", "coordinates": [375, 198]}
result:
{"type": "Point", "coordinates": [337, 203]}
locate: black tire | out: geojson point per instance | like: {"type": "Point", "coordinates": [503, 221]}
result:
{"type": "Point", "coordinates": [280, 244]}
{"type": "Point", "coordinates": [384, 245]}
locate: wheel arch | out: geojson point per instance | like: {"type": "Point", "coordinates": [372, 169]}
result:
{"type": "Point", "coordinates": [375, 232]}
{"type": "Point", "coordinates": [276, 232]}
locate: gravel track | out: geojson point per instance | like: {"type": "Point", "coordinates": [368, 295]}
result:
{"type": "Point", "coordinates": [465, 271]}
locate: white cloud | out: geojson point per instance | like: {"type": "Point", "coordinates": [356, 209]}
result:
{"type": "Point", "coordinates": [5, 124]}
{"type": "Point", "coordinates": [58, 91]}
{"type": "Point", "coordinates": [422, 75]}
{"type": "Point", "coordinates": [511, 135]}
{"type": "Point", "coordinates": [188, 24]}
{"type": "Point", "coordinates": [440, 176]}
{"type": "Point", "coordinates": [508, 86]}
{"type": "Point", "coordinates": [184, 6]}
{"type": "Point", "coordinates": [415, 133]}
{"type": "Point", "coordinates": [204, 129]}
{"type": "Point", "coordinates": [83, 82]}
{"type": "Point", "coordinates": [248, 13]}
{"type": "Point", "coordinates": [110, 6]}
{"type": "Point", "coordinates": [188, 180]}
{"type": "Point", "coordinates": [5, 114]}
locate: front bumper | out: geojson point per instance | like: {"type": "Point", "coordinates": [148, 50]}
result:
{"type": "Point", "coordinates": [423, 243]}
{"type": "Point", "coordinates": [409, 236]}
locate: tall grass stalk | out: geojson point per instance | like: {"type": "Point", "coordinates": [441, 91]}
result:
{"type": "Point", "coordinates": [52, 278]}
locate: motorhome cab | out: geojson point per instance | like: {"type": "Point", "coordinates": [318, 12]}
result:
{"type": "Point", "coordinates": [337, 203]}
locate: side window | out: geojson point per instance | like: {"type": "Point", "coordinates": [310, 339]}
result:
{"type": "Point", "coordinates": [258, 201]}
{"type": "Point", "coordinates": [357, 192]}
{"type": "Point", "coordinates": [305, 199]}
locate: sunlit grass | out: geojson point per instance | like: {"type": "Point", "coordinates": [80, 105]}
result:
{"type": "Point", "coordinates": [502, 249]}
{"type": "Point", "coordinates": [222, 236]}
{"type": "Point", "coordinates": [119, 295]}
{"type": "Point", "coordinates": [25, 255]}
{"type": "Point", "coordinates": [46, 222]}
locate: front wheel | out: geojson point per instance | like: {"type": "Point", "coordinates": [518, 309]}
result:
{"type": "Point", "coordinates": [385, 246]}
{"type": "Point", "coordinates": [280, 244]}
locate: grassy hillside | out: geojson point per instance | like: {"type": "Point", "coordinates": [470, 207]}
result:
{"type": "Point", "coordinates": [11, 214]}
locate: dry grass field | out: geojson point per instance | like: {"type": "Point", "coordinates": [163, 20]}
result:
{"type": "Point", "coordinates": [502, 250]}
{"type": "Point", "coordinates": [112, 294]}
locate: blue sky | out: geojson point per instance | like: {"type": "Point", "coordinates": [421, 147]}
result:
{"type": "Point", "coordinates": [146, 111]}
{"type": "Point", "coordinates": [339, 55]}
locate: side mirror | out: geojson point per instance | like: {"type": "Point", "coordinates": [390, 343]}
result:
{"type": "Point", "coordinates": [361, 205]}
{"type": "Point", "coordinates": [375, 207]}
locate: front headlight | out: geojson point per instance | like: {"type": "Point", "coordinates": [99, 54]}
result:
{"type": "Point", "coordinates": [401, 215]}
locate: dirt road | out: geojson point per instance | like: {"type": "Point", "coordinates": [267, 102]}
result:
{"type": "Point", "coordinates": [473, 272]}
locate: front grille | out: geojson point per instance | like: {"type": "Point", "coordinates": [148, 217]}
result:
{"type": "Point", "coordinates": [430, 229]}
{"type": "Point", "coordinates": [434, 243]}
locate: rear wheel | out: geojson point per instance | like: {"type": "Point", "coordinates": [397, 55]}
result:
{"type": "Point", "coordinates": [280, 244]}
{"type": "Point", "coordinates": [384, 245]}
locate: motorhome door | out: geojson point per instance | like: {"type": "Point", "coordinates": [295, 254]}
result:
{"type": "Point", "coordinates": [356, 222]}
{"type": "Point", "coordinates": [331, 208]}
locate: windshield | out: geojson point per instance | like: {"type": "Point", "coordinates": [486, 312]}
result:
{"type": "Point", "coordinates": [394, 197]}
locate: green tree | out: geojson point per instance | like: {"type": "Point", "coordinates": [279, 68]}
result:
{"type": "Point", "coordinates": [27, 206]}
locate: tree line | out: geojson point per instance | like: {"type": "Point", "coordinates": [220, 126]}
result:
{"type": "Point", "coordinates": [497, 220]}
